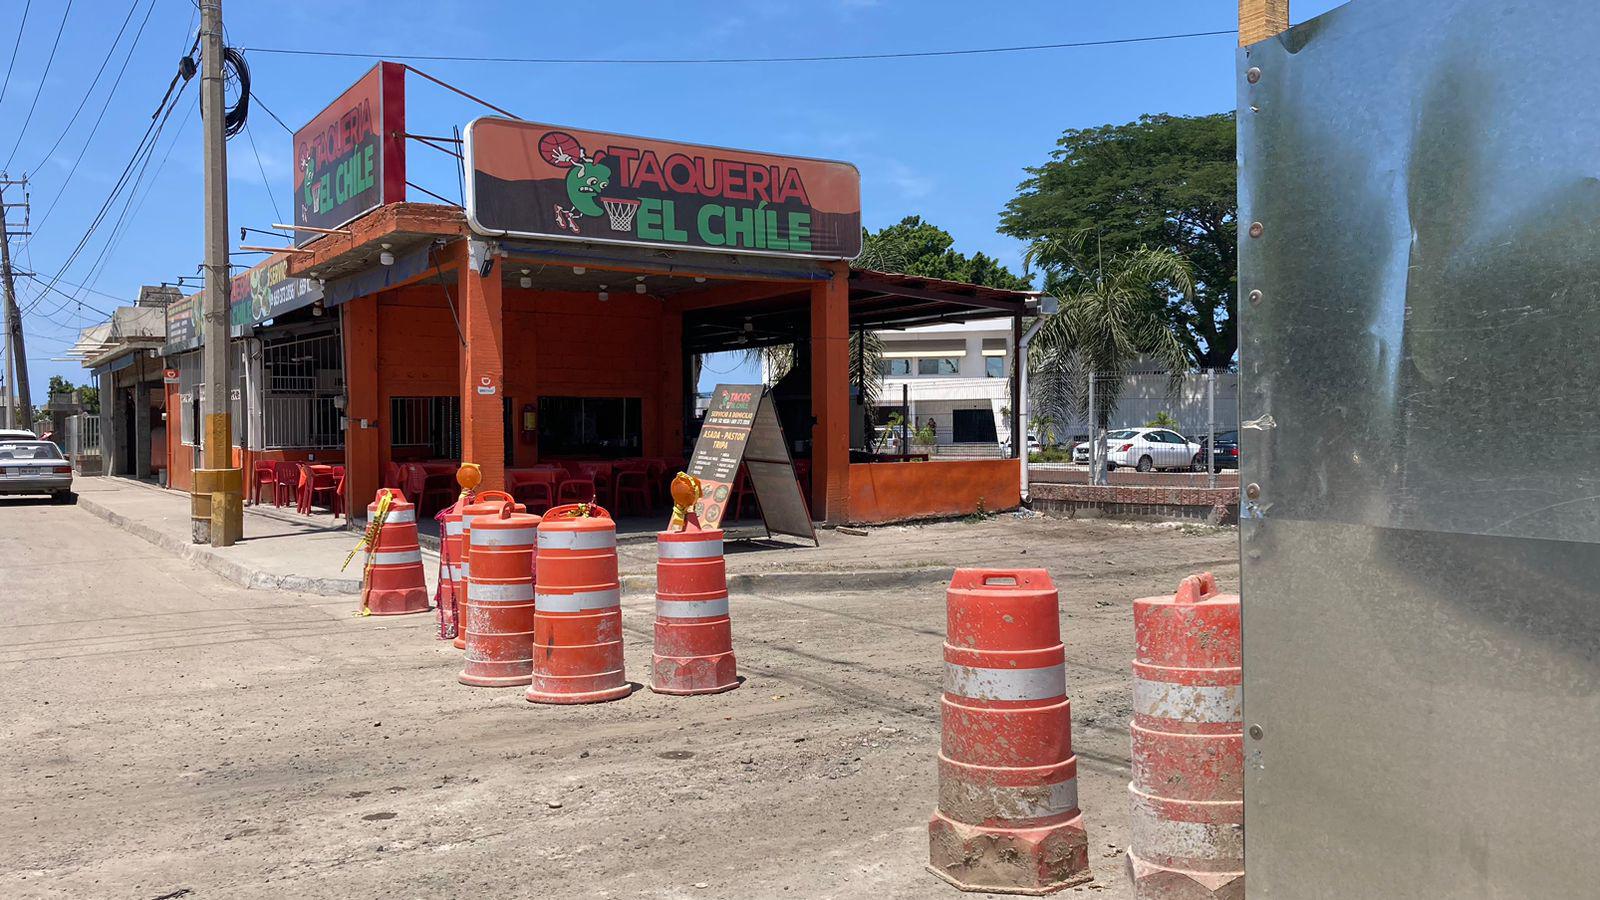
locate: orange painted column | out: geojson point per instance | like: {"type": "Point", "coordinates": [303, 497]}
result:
{"type": "Point", "coordinates": [667, 433]}
{"type": "Point", "coordinates": [830, 396]}
{"type": "Point", "coordinates": [363, 444]}
{"type": "Point", "coordinates": [479, 306]}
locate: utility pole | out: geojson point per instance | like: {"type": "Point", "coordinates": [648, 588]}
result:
{"type": "Point", "coordinates": [217, 504]}
{"type": "Point", "coordinates": [21, 408]}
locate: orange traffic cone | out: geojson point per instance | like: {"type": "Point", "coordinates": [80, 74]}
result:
{"type": "Point", "coordinates": [499, 625]}
{"type": "Point", "coordinates": [577, 622]}
{"type": "Point", "coordinates": [394, 583]}
{"type": "Point", "coordinates": [694, 636]}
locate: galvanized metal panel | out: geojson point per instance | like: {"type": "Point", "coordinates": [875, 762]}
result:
{"type": "Point", "coordinates": [1421, 375]}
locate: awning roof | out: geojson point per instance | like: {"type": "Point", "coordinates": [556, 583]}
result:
{"type": "Point", "coordinates": [878, 300]}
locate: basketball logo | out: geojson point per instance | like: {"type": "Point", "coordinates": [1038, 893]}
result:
{"type": "Point", "coordinates": [560, 149]}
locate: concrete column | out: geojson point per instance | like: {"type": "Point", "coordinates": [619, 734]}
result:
{"type": "Point", "coordinates": [366, 421]}
{"type": "Point", "coordinates": [115, 441]}
{"type": "Point", "coordinates": [141, 427]}
{"type": "Point", "coordinates": [478, 300]}
{"type": "Point", "coordinates": [830, 396]}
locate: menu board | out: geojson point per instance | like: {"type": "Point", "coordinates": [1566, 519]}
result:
{"type": "Point", "coordinates": [742, 427]}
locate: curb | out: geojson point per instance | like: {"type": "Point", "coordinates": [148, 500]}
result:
{"type": "Point", "coordinates": [207, 558]}
{"type": "Point", "coordinates": [750, 582]}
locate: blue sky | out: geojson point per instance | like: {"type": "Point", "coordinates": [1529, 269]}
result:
{"type": "Point", "coordinates": [946, 138]}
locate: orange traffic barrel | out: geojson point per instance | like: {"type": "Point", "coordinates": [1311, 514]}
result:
{"type": "Point", "coordinates": [577, 621]}
{"type": "Point", "coordinates": [394, 583]}
{"type": "Point", "coordinates": [1008, 818]}
{"type": "Point", "coordinates": [487, 503]}
{"type": "Point", "coordinates": [499, 625]}
{"type": "Point", "coordinates": [1188, 745]}
{"type": "Point", "coordinates": [452, 582]}
{"type": "Point", "coordinates": [694, 636]}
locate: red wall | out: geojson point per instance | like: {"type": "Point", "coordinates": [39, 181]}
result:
{"type": "Point", "coordinates": [890, 492]}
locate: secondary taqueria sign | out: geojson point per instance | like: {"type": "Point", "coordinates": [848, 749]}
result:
{"type": "Point", "coordinates": [351, 158]}
{"type": "Point", "coordinates": [255, 296]}
{"type": "Point", "coordinates": [531, 180]}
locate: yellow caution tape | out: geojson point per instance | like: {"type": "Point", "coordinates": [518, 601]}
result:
{"type": "Point", "coordinates": [369, 540]}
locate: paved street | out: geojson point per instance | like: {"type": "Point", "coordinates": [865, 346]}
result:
{"type": "Point", "coordinates": [173, 731]}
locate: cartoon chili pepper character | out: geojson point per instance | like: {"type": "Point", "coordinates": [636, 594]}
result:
{"type": "Point", "coordinates": [586, 178]}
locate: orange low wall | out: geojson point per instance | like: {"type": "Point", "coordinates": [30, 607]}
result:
{"type": "Point", "coordinates": [897, 492]}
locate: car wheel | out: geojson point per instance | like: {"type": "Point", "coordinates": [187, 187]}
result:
{"type": "Point", "coordinates": [1197, 465]}
{"type": "Point", "coordinates": [1146, 464]}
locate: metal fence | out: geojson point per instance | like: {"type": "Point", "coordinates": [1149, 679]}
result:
{"type": "Point", "coordinates": [1153, 427]}
{"type": "Point", "coordinates": [431, 422]}
{"type": "Point", "coordinates": [302, 393]}
{"type": "Point", "coordinates": [83, 442]}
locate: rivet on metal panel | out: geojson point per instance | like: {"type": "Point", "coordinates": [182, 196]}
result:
{"type": "Point", "coordinates": [1254, 75]}
{"type": "Point", "coordinates": [1255, 296]}
{"type": "Point", "coordinates": [1256, 732]}
{"type": "Point", "coordinates": [1256, 229]}
{"type": "Point", "coordinates": [1253, 491]}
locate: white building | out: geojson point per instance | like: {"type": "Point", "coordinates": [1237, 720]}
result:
{"type": "Point", "coordinates": [955, 374]}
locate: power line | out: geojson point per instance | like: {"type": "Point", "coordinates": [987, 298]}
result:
{"type": "Point", "coordinates": [741, 60]}
{"type": "Point", "coordinates": [40, 90]}
{"type": "Point", "coordinates": [119, 231]}
{"type": "Point", "coordinates": [270, 113]}
{"type": "Point", "coordinates": [104, 61]}
{"type": "Point", "coordinates": [14, 48]}
{"type": "Point", "coordinates": [112, 297]}
{"type": "Point", "coordinates": [265, 183]}
{"type": "Point", "coordinates": [99, 118]}
{"type": "Point", "coordinates": [37, 280]}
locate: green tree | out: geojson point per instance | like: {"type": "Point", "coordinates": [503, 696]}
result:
{"type": "Point", "coordinates": [1111, 317]}
{"type": "Point", "coordinates": [915, 247]}
{"type": "Point", "coordinates": [1163, 182]}
{"type": "Point", "coordinates": [60, 385]}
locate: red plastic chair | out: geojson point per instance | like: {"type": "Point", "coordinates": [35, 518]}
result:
{"type": "Point", "coordinates": [286, 485]}
{"type": "Point", "coordinates": [576, 490]}
{"type": "Point", "coordinates": [601, 474]}
{"type": "Point", "coordinates": [536, 489]}
{"type": "Point", "coordinates": [633, 491]}
{"type": "Point", "coordinates": [742, 491]}
{"type": "Point", "coordinates": [261, 474]}
{"type": "Point", "coordinates": [392, 476]}
{"type": "Point", "coordinates": [420, 486]}
{"type": "Point", "coordinates": [314, 484]}
{"type": "Point", "coordinates": [338, 492]}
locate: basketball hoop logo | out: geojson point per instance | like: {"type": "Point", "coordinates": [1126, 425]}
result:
{"type": "Point", "coordinates": [587, 179]}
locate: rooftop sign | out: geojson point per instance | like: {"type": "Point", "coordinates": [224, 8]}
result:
{"type": "Point", "coordinates": [530, 180]}
{"type": "Point", "coordinates": [261, 293]}
{"type": "Point", "coordinates": [351, 158]}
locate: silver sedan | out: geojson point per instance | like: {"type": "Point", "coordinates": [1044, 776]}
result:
{"type": "Point", "coordinates": [34, 467]}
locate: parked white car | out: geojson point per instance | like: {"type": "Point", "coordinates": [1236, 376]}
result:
{"type": "Point", "coordinates": [34, 467]}
{"type": "Point", "coordinates": [1145, 449]}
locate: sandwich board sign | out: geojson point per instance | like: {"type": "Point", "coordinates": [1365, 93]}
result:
{"type": "Point", "coordinates": [742, 427]}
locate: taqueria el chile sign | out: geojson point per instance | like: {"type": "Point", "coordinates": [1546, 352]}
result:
{"type": "Point", "coordinates": [531, 180]}
{"type": "Point", "coordinates": [351, 157]}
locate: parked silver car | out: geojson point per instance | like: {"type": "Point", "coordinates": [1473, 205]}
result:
{"type": "Point", "coordinates": [31, 466]}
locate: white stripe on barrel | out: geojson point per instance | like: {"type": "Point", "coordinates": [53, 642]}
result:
{"type": "Point", "coordinates": [504, 537]}
{"type": "Point", "coordinates": [397, 557]}
{"type": "Point", "coordinates": [456, 573]}
{"type": "Point", "coordinates": [978, 683]}
{"type": "Point", "coordinates": [1155, 837]}
{"type": "Point", "coordinates": [1209, 704]}
{"type": "Point", "coordinates": [710, 548]}
{"type": "Point", "coordinates": [465, 569]}
{"type": "Point", "coordinates": [1035, 802]}
{"type": "Point", "coordinates": [691, 609]}
{"type": "Point", "coordinates": [577, 540]}
{"type": "Point", "coordinates": [454, 527]}
{"type": "Point", "coordinates": [492, 593]}
{"type": "Point", "coordinates": [583, 601]}
{"type": "Point", "coordinates": [399, 516]}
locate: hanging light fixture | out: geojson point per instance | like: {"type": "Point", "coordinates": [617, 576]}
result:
{"type": "Point", "coordinates": [604, 295]}
{"type": "Point", "coordinates": [386, 257]}
{"type": "Point", "coordinates": [578, 270]}
{"type": "Point", "coordinates": [525, 281]}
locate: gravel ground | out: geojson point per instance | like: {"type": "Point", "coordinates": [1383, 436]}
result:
{"type": "Point", "coordinates": [172, 734]}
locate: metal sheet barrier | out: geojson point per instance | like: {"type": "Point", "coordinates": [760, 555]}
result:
{"type": "Point", "coordinates": [1421, 311]}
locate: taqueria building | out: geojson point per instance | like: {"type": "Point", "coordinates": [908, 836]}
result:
{"type": "Point", "coordinates": [557, 315]}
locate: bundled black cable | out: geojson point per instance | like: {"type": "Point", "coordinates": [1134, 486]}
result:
{"type": "Point", "coordinates": [234, 119]}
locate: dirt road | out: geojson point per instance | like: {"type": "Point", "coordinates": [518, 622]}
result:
{"type": "Point", "coordinates": [171, 734]}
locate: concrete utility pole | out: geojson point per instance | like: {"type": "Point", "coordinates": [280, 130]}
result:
{"type": "Point", "coordinates": [217, 504]}
{"type": "Point", "coordinates": [20, 410]}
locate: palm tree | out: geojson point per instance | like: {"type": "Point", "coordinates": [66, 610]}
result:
{"type": "Point", "coordinates": [1111, 317]}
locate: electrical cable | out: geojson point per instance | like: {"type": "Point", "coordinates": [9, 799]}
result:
{"type": "Point", "coordinates": [14, 48]}
{"type": "Point", "coordinates": [233, 118]}
{"type": "Point", "coordinates": [743, 60]}
{"type": "Point", "coordinates": [42, 78]}
{"type": "Point", "coordinates": [99, 118]}
{"type": "Point", "coordinates": [265, 183]}
{"type": "Point", "coordinates": [269, 112]}
{"type": "Point", "coordinates": [104, 61]}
